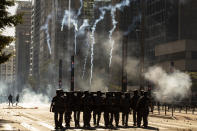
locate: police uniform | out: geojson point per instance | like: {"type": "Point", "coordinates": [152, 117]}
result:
{"type": "Point", "coordinates": [77, 101]}
{"type": "Point", "coordinates": [57, 106]}
{"type": "Point", "coordinates": [87, 109]}
{"type": "Point", "coordinates": [134, 101]}
{"type": "Point", "coordinates": [106, 109]}
{"type": "Point", "coordinates": [116, 107]}
{"type": "Point", "coordinates": [126, 101]}
{"type": "Point", "coordinates": [143, 110]}
{"type": "Point", "coordinates": [97, 108]}
{"type": "Point", "coordinates": [68, 100]}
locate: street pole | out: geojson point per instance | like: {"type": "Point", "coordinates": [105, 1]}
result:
{"type": "Point", "coordinates": [60, 73]}
{"type": "Point", "coordinates": [142, 42]}
{"type": "Point", "coordinates": [72, 73]}
{"type": "Point", "coordinates": [124, 63]}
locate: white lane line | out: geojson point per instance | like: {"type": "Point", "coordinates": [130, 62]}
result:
{"type": "Point", "coordinates": [8, 127]}
{"type": "Point", "coordinates": [171, 126]}
{"type": "Point", "coordinates": [162, 128]}
{"type": "Point", "coordinates": [27, 126]}
{"type": "Point", "coordinates": [46, 125]}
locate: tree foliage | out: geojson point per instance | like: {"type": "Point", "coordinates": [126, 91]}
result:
{"type": "Point", "coordinates": [7, 20]}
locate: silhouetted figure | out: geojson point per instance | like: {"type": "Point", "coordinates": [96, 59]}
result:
{"type": "Point", "coordinates": [143, 110]}
{"type": "Point", "coordinates": [106, 109]}
{"type": "Point", "coordinates": [10, 99]}
{"type": "Point", "coordinates": [58, 107]}
{"type": "Point", "coordinates": [17, 99]}
{"type": "Point", "coordinates": [134, 101]}
{"type": "Point", "coordinates": [116, 107]}
{"type": "Point", "coordinates": [126, 104]}
{"type": "Point", "coordinates": [97, 108]}
{"type": "Point", "coordinates": [77, 108]}
{"type": "Point", "coordinates": [87, 109]}
{"type": "Point", "coordinates": [111, 104]}
{"type": "Point", "coordinates": [69, 106]}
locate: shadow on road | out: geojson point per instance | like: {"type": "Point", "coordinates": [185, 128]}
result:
{"type": "Point", "coordinates": [109, 128]}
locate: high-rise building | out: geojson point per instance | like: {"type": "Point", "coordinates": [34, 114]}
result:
{"type": "Point", "coordinates": [168, 21]}
{"type": "Point", "coordinates": [23, 41]}
{"type": "Point", "coordinates": [45, 66]}
{"type": "Point", "coordinates": [7, 69]}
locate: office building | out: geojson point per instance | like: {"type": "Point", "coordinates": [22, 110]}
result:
{"type": "Point", "coordinates": [23, 41]}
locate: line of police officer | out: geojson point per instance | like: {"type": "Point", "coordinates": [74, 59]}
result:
{"type": "Point", "coordinates": [111, 104]}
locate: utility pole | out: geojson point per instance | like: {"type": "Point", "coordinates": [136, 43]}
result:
{"type": "Point", "coordinates": [72, 73]}
{"type": "Point", "coordinates": [142, 42]}
{"type": "Point", "coordinates": [60, 73]}
{"type": "Point", "coordinates": [124, 63]}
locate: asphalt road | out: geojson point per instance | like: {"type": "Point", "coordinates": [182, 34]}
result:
{"type": "Point", "coordinates": [38, 118]}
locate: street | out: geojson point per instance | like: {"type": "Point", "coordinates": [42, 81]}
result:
{"type": "Point", "coordinates": [38, 118]}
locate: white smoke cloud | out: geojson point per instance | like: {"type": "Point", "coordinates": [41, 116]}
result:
{"type": "Point", "coordinates": [30, 99]}
{"type": "Point", "coordinates": [169, 86]}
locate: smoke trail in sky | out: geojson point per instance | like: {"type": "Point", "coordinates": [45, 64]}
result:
{"type": "Point", "coordinates": [79, 11]}
{"type": "Point", "coordinates": [86, 57]}
{"type": "Point", "coordinates": [103, 10]}
{"type": "Point", "coordinates": [114, 22]}
{"type": "Point", "coordinates": [133, 24]}
{"type": "Point", "coordinates": [46, 28]}
{"type": "Point", "coordinates": [80, 31]}
{"type": "Point", "coordinates": [93, 39]}
{"type": "Point", "coordinates": [71, 18]}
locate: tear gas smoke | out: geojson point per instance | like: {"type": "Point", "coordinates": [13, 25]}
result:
{"type": "Point", "coordinates": [133, 25]}
{"type": "Point", "coordinates": [46, 28]}
{"type": "Point", "coordinates": [112, 8]}
{"type": "Point", "coordinates": [79, 11]}
{"type": "Point", "coordinates": [71, 18]}
{"type": "Point", "coordinates": [29, 98]}
{"type": "Point", "coordinates": [169, 86]}
{"type": "Point", "coordinates": [101, 17]}
{"type": "Point", "coordinates": [114, 22]}
{"type": "Point", "coordinates": [5, 91]}
{"type": "Point", "coordinates": [86, 57]}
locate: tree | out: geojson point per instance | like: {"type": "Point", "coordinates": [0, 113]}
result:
{"type": "Point", "coordinates": [7, 20]}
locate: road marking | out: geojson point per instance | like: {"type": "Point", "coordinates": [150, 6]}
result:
{"type": "Point", "coordinates": [8, 127]}
{"type": "Point", "coordinates": [162, 128]}
{"type": "Point", "coordinates": [46, 125]}
{"type": "Point", "coordinates": [27, 126]}
{"type": "Point", "coordinates": [160, 124]}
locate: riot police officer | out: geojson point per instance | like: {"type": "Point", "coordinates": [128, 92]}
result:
{"type": "Point", "coordinates": [57, 106]}
{"type": "Point", "coordinates": [134, 101]}
{"type": "Point", "coordinates": [97, 108]}
{"type": "Point", "coordinates": [106, 109]}
{"type": "Point", "coordinates": [87, 109]}
{"type": "Point", "coordinates": [68, 100]}
{"type": "Point", "coordinates": [77, 107]}
{"type": "Point", "coordinates": [111, 104]}
{"type": "Point", "coordinates": [143, 110]}
{"type": "Point", "coordinates": [126, 101]}
{"type": "Point", "coordinates": [116, 107]}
